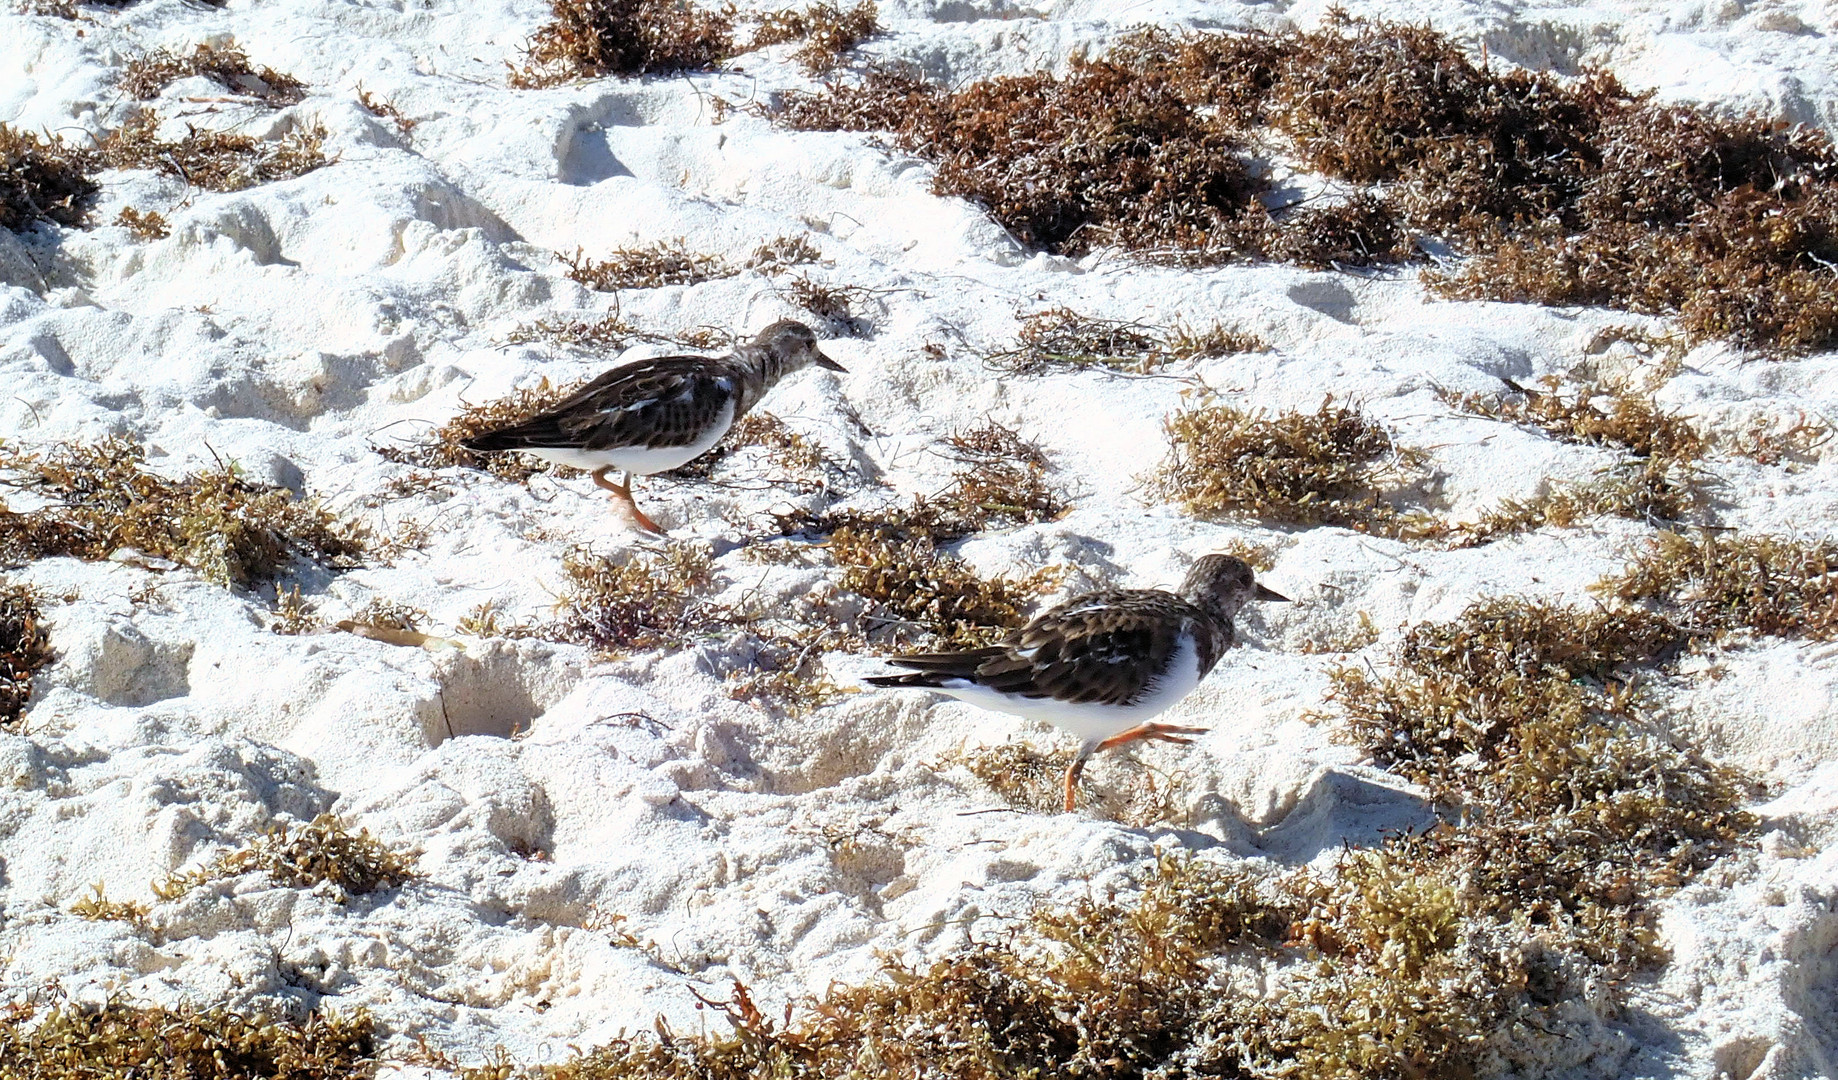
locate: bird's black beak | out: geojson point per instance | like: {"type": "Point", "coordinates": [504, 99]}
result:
{"type": "Point", "coordinates": [1265, 592]}
{"type": "Point", "coordinates": [823, 361]}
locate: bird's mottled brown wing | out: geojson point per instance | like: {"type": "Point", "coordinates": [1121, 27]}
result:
{"type": "Point", "coordinates": [664, 402]}
{"type": "Point", "coordinates": [1107, 647]}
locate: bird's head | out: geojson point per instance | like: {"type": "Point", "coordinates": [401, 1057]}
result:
{"type": "Point", "coordinates": [1221, 584]}
{"type": "Point", "coordinates": [789, 345]}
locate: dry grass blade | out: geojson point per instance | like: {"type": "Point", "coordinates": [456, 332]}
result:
{"type": "Point", "coordinates": [228, 66]}
{"type": "Point", "coordinates": [43, 180]}
{"type": "Point", "coordinates": [100, 501]}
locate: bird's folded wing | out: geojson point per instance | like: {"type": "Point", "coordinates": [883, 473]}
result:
{"type": "Point", "coordinates": [1104, 649]}
{"type": "Point", "coordinates": [670, 401]}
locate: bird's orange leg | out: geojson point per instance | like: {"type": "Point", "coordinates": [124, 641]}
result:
{"type": "Point", "coordinates": [622, 493]}
{"type": "Point", "coordinates": [1152, 732]}
{"type": "Point", "coordinates": [1145, 732]}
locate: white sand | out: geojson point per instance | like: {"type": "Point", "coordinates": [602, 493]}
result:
{"type": "Point", "coordinates": [293, 326]}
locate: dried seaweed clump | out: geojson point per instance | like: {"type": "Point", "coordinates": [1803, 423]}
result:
{"type": "Point", "coordinates": [117, 1040]}
{"type": "Point", "coordinates": [665, 601]}
{"type": "Point", "coordinates": [443, 449]}
{"type": "Point", "coordinates": [797, 457]}
{"type": "Point", "coordinates": [1719, 584]}
{"type": "Point", "coordinates": [594, 38]}
{"type": "Point", "coordinates": [1560, 191]}
{"type": "Point", "coordinates": [1371, 972]}
{"type": "Point", "coordinates": [99, 500]}
{"type": "Point", "coordinates": [832, 303]}
{"type": "Point", "coordinates": [611, 333]}
{"type": "Point", "coordinates": [1107, 987]}
{"type": "Point", "coordinates": [1063, 338]}
{"type": "Point", "coordinates": [216, 160]}
{"type": "Point", "coordinates": [72, 9]}
{"type": "Point", "coordinates": [1334, 466]}
{"type": "Point", "coordinates": [322, 852]}
{"type": "Point", "coordinates": [144, 226]}
{"type": "Point", "coordinates": [1492, 944]}
{"type": "Point", "coordinates": [24, 649]}
{"type": "Point", "coordinates": [646, 602]}
{"type": "Point", "coordinates": [650, 267]}
{"type": "Point", "coordinates": [1749, 264]}
{"type": "Point", "coordinates": [43, 180]}
{"type": "Point", "coordinates": [228, 66]}
{"type": "Point", "coordinates": [1126, 791]}
{"type": "Point", "coordinates": [1568, 806]}
{"type": "Point", "coordinates": [1360, 231]}
{"type": "Point", "coordinates": [1003, 483]}
{"type": "Point", "coordinates": [1107, 155]}
{"type": "Point", "coordinates": [1661, 482]}
{"type": "Point", "coordinates": [97, 907]}
{"type": "Point", "coordinates": [1658, 491]}
{"type": "Point", "coordinates": [1594, 413]}
{"type": "Point", "coordinates": [928, 596]}
{"type": "Point", "coordinates": [1060, 337]}
{"type": "Point", "coordinates": [828, 32]}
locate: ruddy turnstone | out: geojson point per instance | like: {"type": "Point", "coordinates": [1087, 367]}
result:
{"type": "Point", "coordinates": [654, 415]}
{"type": "Point", "coordinates": [1104, 664]}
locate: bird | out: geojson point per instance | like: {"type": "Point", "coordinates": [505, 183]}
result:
{"type": "Point", "coordinates": [1101, 665]}
{"type": "Point", "coordinates": [655, 415]}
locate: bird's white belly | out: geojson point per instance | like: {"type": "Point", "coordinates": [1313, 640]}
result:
{"type": "Point", "coordinates": [639, 459]}
{"type": "Point", "coordinates": [1091, 720]}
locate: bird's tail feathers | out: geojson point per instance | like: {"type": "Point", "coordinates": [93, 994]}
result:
{"type": "Point", "coordinates": [910, 679]}
{"type": "Point", "coordinates": [531, 433]}
{"type": "Point", "coordinates": [934, 669]}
